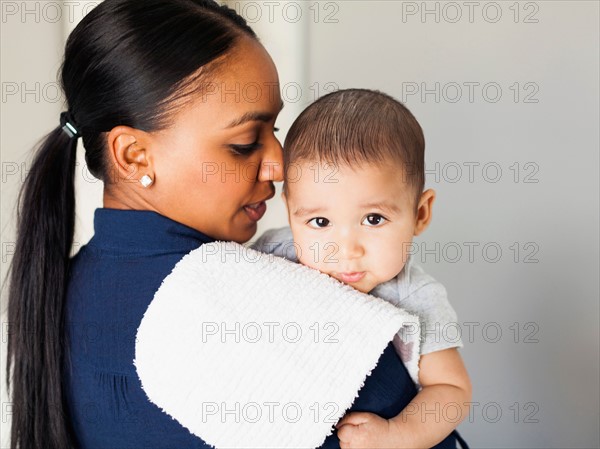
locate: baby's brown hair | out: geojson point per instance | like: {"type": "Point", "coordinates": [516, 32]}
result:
{"type": "Point", "coordinates": [354, 126]}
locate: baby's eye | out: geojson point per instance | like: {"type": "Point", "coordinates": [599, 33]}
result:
{"type": "Point", "coordinates": [320, 222]}
{"type": "Point", "coordinates": [374, 220]}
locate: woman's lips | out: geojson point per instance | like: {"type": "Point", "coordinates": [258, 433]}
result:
{"type": "Point", "coordinates": [349, 278]}
{"type": "Point", "coordinates": [256, 211]}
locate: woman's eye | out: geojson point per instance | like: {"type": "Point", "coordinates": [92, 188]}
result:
{"type": "Point", "coordinates": [245, 150]}
{"type": "Point", "coordinates": [275, 130]}
{"type": "Point", "coordinates": [374, 220]}
{"type": "Point", "coordinates": [320, 222]}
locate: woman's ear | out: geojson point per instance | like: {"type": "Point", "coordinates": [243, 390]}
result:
{"type": "Point", "coordinates": [424, 210]}
{"type": "Point", "coordinates": [128, 154]}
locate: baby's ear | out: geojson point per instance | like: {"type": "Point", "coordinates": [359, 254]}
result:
{"type": "Point", "coordinates": [424, 210]}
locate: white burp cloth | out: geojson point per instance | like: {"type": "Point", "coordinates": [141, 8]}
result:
{"type": "Point", "coordinates": [246, 349]}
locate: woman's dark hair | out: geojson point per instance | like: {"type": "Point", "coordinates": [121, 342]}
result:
{"type": "Point", "coordinates": [359, 126]}
{"type": "Point", "coordinates": [128, 62]}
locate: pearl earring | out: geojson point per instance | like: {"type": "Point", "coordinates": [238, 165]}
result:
{"type": "Point", "coordinates": [146, 181]}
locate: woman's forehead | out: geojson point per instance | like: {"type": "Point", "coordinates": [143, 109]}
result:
{"type": "Point", "coordinates": [234, 96]}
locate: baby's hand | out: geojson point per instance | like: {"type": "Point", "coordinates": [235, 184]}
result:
{"type": "Point", "coordinates": [365, 430]}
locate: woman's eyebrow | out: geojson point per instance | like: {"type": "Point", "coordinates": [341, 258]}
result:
{"type": "Point", "coordinates": [253, 116]}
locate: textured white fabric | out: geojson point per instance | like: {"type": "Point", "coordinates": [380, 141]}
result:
{"type": "Point", "coordinates": [412, 290]}
{"type": "Point", "coordinates": [247, 349]}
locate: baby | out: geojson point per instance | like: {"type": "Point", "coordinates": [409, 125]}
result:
{"type": "Point", "coordinates": [354, 191]}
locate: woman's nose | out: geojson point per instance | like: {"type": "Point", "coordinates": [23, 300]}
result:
{"type": "Point", "coordinates": [271, 167]}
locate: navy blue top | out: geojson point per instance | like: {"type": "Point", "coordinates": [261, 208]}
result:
{"type": "Point", "coordinates": [113, 280]}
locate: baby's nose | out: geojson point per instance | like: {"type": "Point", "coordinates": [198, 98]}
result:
{"type": "Point", "coordinates": [349, 247]}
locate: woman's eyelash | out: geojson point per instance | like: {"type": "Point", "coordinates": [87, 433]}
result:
{"type": "Point", "coordinates": [245, 149]}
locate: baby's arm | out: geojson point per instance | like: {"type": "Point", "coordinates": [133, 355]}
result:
{"type": "Point", "coordinates": [431, 416]}
{"type": "Point", "coordinates": [446, 390]}
{"type": "Point", "coordinates": [440, 405]}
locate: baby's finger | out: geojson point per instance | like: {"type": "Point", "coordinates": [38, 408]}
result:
{"type": "Point", "coordinates": [354, 418]}
{"type": "Point", "coordinates": [345, 433]}
{"type": "Point", "coordinates": [345, 445]}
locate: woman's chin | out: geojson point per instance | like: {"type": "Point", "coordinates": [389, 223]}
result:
{"type": "Point", "coordinates": [243, 232]}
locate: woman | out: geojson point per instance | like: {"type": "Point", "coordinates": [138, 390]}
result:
{"type": "Point", "coordinates": [153, 88]}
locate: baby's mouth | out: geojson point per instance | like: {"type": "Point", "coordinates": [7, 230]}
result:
{"type": "Point", "coordinates": [350, 277]}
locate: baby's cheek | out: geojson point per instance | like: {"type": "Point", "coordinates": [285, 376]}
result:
{"type": "Point", "coordinates": [308, 258]}
{"type": "Point", "coordinates": [320, 256]}
{"type": "Point", "coordinates": [390, 263]}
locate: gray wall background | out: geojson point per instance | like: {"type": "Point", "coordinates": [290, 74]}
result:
{"type": "Point", "coordinates": [544, 380]}
{"type": "Point", "coordinates": [507, 94]}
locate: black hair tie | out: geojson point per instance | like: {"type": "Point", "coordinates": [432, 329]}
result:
{"type": "Point", "coordinates": [68, 124]}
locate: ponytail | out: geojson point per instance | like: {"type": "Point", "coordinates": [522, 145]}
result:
{"type": "Point", "coordinates": [160, 47]}
{"type": "Point", "coordinates": [36, 302]}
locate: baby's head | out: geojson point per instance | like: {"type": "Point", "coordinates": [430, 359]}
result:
{"type": "Point", "coordinates": [354, 183]}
